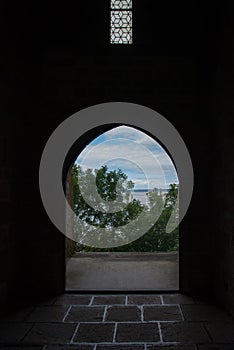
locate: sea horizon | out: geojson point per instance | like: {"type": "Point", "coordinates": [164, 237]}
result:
{"type": "Point", "coordinates": [149, 190]}
{"type": "Point", "coordinates": [141, 194]}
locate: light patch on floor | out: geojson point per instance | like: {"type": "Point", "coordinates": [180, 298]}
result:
{"type": "Point", "coordinates": [123, 272]}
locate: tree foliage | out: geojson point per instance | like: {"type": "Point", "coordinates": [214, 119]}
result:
{"type": "Point", "coordinates": [156, 239]}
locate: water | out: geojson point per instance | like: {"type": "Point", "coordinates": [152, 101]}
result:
{"type": "Point", "coordinates": [141, 195]}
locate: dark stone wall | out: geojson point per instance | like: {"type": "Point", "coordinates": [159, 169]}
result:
{"type": "Point", "coordinates": [8, 224]}
{"type": "Point", "coordinates": [223, 105]}
{"type": "Point", "coordinates": [59, 61]}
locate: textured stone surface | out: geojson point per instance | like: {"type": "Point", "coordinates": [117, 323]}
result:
{"type": "Point", "coordinates": [162, 313]}
{"type": "Point", "coordinates": [86, 322]}
{"type": "Point", "coordinates": [85, 314]}
{"type": "Point", "coordinates": [221, 332]}
{"type": "Point", "coordinates": [177, 299]}
{"type": "Point", "coordinates": [123, 313]}
{"type": "Point", "coordinates": [13, 332]}
{"type": "Point", "coordinates": [171, 347]}
{"type": "Point", "coordinates": [50, 333]}
{"type": "Point", "coordinates": [144, 299]}
{"type": "Point", "coordinates": [137, 332]}
{"type": "Point", "coordinates": [94, 333]}
{"type": "Point", "coordinates": [109, 300]}
{"type": "Point", "coordinates": [21, 347]}
{"type": "Point", "coordinates": [71, 299]}
{"type": "Point", "coordinates": [47, 314]}
{"type": "Point", "coordinates": [69, 347]}
{"type": "Point", "coordinates": [18, 316]}
{"type": "Point", "coordinates": [184, 332]}
{"type": "Point", "coordinates": [47, 302]}
{"type": "Point", "coordinates": [114, 272]}
{"type": "Point", "coordinates": [215, 347]}
{"type": "Point", "coordinates": [120, 347]}
{"type": "Point", "coordinates": [201, 312]}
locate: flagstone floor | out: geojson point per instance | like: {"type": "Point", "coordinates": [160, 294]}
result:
{"type": "Point", "coordinates": [118, 322]}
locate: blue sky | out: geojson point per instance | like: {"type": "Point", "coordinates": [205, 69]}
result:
{"type": "Point", "coordinates": [139, 156]}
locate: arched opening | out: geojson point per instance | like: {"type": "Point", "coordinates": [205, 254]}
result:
{"type": "Point", "coordinates": [120, 175]}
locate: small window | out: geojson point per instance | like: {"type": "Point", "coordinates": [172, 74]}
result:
{"type": "Point", "coordinates": [121, 22]}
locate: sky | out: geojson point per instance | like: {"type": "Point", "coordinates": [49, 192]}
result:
{"type": "Point", "coordinates": [138, 155]}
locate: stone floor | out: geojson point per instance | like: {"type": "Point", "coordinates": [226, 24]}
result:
{"type": "Point", "coordinates": [123, 271]}
{"type": "Point", "coordinates": [118, 322]}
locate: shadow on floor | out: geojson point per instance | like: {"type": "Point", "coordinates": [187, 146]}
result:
{"type": "Point", "coordinates": [119, 322]}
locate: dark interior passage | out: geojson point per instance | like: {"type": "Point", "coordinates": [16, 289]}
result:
{"type": "Point", "coordinates": [181, 65]}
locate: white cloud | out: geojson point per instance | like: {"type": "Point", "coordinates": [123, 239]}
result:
{"type": "Point", "coordinates": [133, 134]}
{"type": "Point", "coordinates": [141, 152]}
{"type": "Point", "coordinates": [122, 131]}
{"type": "Point", "coordinates": [109, 152]}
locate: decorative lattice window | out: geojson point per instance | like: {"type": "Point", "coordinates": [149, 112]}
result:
{"type": "Point", "coordinates": [121, 22]}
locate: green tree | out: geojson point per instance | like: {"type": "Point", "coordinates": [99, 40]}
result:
{"type": "Point", "coordinates": [156, 239]}
{"type": "Point", "coordinates": [106, 182]}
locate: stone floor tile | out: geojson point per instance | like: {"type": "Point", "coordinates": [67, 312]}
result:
{"type": "Point", "coordinates": [73, 299]}
{"type": "Point", "coordinates": [13, 332]}
{"type": "Point", "coordinates": [120, 347]}
{"type": "Point", "coordinates": [94, 333]}
{"type": "Point", "coordinates": [85, 314]}
{"type": "Point", "coordinates": [69, 347]}
{"type": "Point", "coordinates": [137, 332]}
{"type": "Point", "coordinates": [204, 300]}
{"type": "Point", "coordinates": [123, 314]}
{"type": "Point", "coordinates": [109, 300]}
{"type": "Point", "coordinates": [21, 347]}
{"type": "Point", "coordinates": [184, 332]}
{"type": "Point", "coordinates": [221, 332]}
{"type": "Point", "coordinates": [50, 333]}
{"type": "Point", "coordinates": [144, 299]}
{"type": "Point", "coordinates": [172, 347]}
{"type": "Point", "coordinates": [18, 316]}
{"type": "Point", "coordinates": [177, 299]}
{"type": "Point", "coordinates": [47, 302]}
{"type": "Point", "coordinates": [215, 347]}
{"type": "Point", "coordinates": [201, 312]}
{"type": "Point", "coordinates": [47, 314]}
{"type": "Point", "coordinates": [162, 313]}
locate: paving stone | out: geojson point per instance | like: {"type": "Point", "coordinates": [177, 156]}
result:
{"type": "Point", "coordinates": [123, 313]}
{"type": "Point", "coordinates": [21, 347]}
{"type": "Point", "coordinates": [85, 314]}
{"type": "Point", "coordinates": [48, 314]}
{"type": "Point", "coordinates": [137, 332]}
{"type": "Point", "coordinates": [201, 312]}
{"type": "Point", "coordinates": [203, 300]}
{"type": "Point", "coordinates": [184, 332]}
{"type": "Point", "coordinates": [109, 300]}
{"type": "Point", "coordinates": [120, 347]}
{"type": "Point", "coordinates": [18, 316]}
{"type": "Point", "coordinates": [13, 332]}
{"type": "Point", "coordinates": [221, 332]}
{"type": "Point", "coordinates": [162, 313]}
{"type": "Point", "coordinates": [94, 333]}
{"type": "Point", "coordinates": [172, 347]}
{"type": "Point", "coordinates": [47, 302]}
{"type": "Point", "coordinates": [50, 333]}
{"type": "Point", "coordinates": [73, 299]}
{"type": "Point", "coordinates": [69, 347]}
{"type": "Point", "coordinates": [144, 299]}
{"type": "Point", "coordinates": [215, 347]}
{"type": "Point", "coordinates": [177, 299]}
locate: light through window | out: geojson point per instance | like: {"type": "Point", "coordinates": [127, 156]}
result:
{"type": "Point", "coordinates": [121, 22]}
